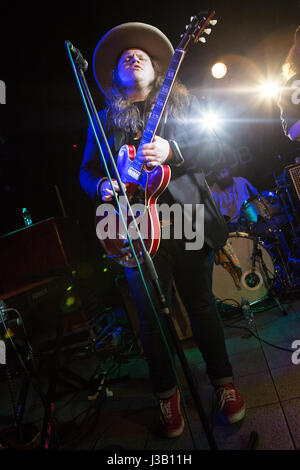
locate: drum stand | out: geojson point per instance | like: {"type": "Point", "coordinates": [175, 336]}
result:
{"type": "Point", "coordinates": [257, 253]}
{"type": "Point", "coordinates": [289, 209]}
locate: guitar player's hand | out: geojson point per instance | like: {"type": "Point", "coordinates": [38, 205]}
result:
{"type": "Point", "coordinates": [157, 152]}
{"type": "Point", "coordinates": [106, 190]}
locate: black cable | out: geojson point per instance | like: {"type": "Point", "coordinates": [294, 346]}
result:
{"type": "Point", "coordinates": [259, 338]}
{"type": "Point", "coordinates": [92, 406]}
{"type": "Point", "coordinates": [96, 409]}
{"type": "Point", "coordinates": [224, 300]}
{"type": "Point", "coordinates": [250, 331]}
{"type": "Point", "coordinates": [51, 416]}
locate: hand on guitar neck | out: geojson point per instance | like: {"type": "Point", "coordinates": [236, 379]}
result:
{"type": "Point", "coordinates": [156, 152]}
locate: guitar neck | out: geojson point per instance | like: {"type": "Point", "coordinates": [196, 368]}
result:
{"type": "Point", "coordinates": [162, 98]}
{"type": "Point", "coordinates": [160, 104]}
{"type": "Point", "coordinates": [193, 34]}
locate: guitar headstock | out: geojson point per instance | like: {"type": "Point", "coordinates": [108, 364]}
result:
{"type": "Point", "coordinates": [198, 27]}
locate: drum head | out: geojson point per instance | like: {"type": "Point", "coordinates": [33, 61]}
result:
{"type": "Point", "coordinates": [253, 285]}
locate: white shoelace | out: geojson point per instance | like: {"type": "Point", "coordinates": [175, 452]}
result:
{"type": "Point", "coordinates": [166, 410]}
{"type": "Point", "coordinates": [226, 395]}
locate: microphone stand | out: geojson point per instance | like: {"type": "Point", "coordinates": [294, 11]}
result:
{"type": "Point", "coordinates": [78, 62]}
{"type": "Point", "coordinates": [257, 253]}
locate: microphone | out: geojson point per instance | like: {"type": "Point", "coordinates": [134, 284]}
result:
{"type": "Point", "coordinates": [247, 312]}
{"type": "Point", "coordinates": [78, 57]}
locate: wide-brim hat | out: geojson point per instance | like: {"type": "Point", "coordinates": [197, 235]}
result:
{"type": "Point", "coordinates": [126, 36]}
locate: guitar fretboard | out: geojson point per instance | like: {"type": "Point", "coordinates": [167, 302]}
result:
{"type": "Point", "coordinates": [158, 109]}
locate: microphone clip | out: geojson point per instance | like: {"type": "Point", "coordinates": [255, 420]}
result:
{"type": "Point", "coordinates": [79, 60]}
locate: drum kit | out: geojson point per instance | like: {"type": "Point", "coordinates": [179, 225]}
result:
{"type": "Point", "coordinates": [266, 243]}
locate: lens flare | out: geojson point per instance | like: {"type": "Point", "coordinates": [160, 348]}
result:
{"type": "Point", "coordinates": [210, 121]}
{"type": "Point", "coordinates": [269, 89]}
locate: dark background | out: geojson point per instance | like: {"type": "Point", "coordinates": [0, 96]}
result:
{"type": "Point", "coordinates": [43, 123]}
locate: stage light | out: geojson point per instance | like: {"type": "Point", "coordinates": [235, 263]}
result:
{"type": "Point", "coordinates": [210, 121]}
{"type": "Point", "coordinates": [269, 89]}
{"type": "Point", "coordinates": [219, 70]}
{"type": "Point", "coordinates": [70, 301]}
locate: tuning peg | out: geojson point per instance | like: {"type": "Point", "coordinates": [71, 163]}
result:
{"type": "Point", "coordinates": [192, 18]}
{"type": "Point", "coordinates": [207, 31]}
{"type": "Point", "coordinates": [202, 39]}
{"type": "Point", "coordinates": [213, 22]}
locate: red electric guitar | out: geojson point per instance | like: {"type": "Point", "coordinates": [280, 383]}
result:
{"type": "Point", "coordinates": [138, 179]}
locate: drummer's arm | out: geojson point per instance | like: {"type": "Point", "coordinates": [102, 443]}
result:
{"type": "Point", "coordinates": [294, 132]}
{"type": "Point", "coordinates": [251, 189]}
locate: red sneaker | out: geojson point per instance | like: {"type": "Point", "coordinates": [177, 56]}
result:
{"type": "Point", "coordinates": [231, 405]}
{"type": "Point", "coordinates": [171, 417]}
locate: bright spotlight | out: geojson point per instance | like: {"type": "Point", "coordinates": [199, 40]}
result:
{"type": "Point", "coordinates": [219, 70]}
{"type": "Point", "coordinates": [269, 89]}
{"type": "Point", "coordinates": [210, 121]}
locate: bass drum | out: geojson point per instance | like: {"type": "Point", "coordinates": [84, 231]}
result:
{"type": "Point", "coordinates": [253, 285]}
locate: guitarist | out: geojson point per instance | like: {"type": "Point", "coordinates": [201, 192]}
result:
{"type": "Point", "coordinates": [129, 66]}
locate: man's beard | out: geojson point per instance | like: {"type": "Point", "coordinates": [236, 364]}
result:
{"type": "Point", "coordinates": [225, 182]}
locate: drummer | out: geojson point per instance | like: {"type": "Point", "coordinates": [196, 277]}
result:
{"type": "Point", "coordinates": [230, 193]}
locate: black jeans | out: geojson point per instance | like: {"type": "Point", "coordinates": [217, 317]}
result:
{"type": "Point", "coordinates": [192, 272]}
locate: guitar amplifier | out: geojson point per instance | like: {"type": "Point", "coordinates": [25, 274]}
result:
{"type": "Point", "coordinates": [292, 180]}
{"type": "Point", "coordinates": [294, 174]}
{"type": "Point", "coordinates": [36, 277]}
{"type": "Point", "coordinates": [41, 250]}
{"type": "Point", "coordinates": [38, 306]}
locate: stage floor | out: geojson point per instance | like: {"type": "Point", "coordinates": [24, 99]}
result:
{"type": "Point", "coordinates": [126, 417]}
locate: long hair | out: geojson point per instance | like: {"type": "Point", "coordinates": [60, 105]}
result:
{"type": "Point", "coordinates": [291, 64]}
{"type": "Point", "coordinates": [125, 115]}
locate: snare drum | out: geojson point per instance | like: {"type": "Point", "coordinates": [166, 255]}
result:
{"type": "Point", "coordinates": [253, 285]}
{"type": "Point", "coordinates": [263, 213]}
{"type": "Point", "coordinates": [257, 208]}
